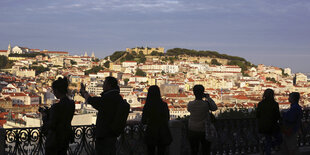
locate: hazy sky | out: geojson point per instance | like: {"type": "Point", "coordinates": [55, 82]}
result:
{"type": "Point", "coordinates": [271, 32]}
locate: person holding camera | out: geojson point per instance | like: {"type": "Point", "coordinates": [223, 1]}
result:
{"type": "Point", "coordinates": [58, 119]}
{"type": "Point", "coordinates": [199, 113]}
{"type": "Point", "coordinates": [107, 105]}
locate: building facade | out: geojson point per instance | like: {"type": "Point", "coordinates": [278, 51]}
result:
{"type": "Point", "coordinates": [145, 50]}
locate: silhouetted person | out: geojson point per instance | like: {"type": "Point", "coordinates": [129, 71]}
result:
{"type": "Point", "coordinates": [291, 124]}
{"type": "Point", "coordinates": [156, 116]}
{"type": "Point", "coordinates": [199, 113]}
{"type": "Point", "coordinates": [59, 130]}
{"type": "Point", "coordinates": [107, 106]}
{"type": "Point", "coordinates": [268, 117]}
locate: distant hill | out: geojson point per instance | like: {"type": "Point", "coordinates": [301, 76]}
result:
{"type": "Point", "coordinates": [176, 52]}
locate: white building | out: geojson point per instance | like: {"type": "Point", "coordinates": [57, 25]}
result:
{"type": "Point", "coordinates": [170, 68]}
{"type": "Point", "coordinates": [288, 71]}
{"type": "Point", "coordinates": [129, 64]}
{"type": "Point", "coordinates": [300, 79]}
{"type": "Point", "coordinates": [4, 52]}
{"type": "Point", "coordinates": [26, 73]}
{"type": "Point", "coordinates": [20, 50]}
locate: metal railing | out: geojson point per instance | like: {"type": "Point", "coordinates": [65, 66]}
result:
{"type": "Point", "coordinates": [235, 136]}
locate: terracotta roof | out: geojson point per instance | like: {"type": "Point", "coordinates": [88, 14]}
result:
{"type": "Point", "coordinates": [59, 52]}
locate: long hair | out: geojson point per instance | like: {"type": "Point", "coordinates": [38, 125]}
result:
{"type": "Point", "coordinates": [268, 95]}
{"type": "Point", "coordinates": [61, 85]}
{"type": "Point", "coordinates": [153, 96]}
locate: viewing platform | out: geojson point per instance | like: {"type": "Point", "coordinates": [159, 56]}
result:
{"type": "Point", "coordinates": [235, 136]}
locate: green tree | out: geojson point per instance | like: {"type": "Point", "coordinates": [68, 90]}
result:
{"type": "Point", "coordinates": [39, 69]}
{"type": "Point", "coordinates": [129, 57]}
{"type": "Point", "coordinates": [116, 55]}
{"type": "Point", "coordinates": [73, 62]}
{"type": "Point", "coordinates": [126, 81]}
{"type": "Point", "coordinates": [31, 55]}
{"type": "Point", "coordinates": [3, 61]}
{"type": "Point", "coordinates": [94, 70]}
{"type": "Point", "coordinates": [96, 60]}
{"type": "Point", "coordinates": [140, 72]}
{"type": "Point", "coordinates": [215, 62]}
{"type": "Point", "coordinates": [107, 64]}
{"type": "Point", "coordinates": [271, 79]}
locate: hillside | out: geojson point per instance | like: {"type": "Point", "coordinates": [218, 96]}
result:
{"type": "Point", "coordinates": [174, 54]}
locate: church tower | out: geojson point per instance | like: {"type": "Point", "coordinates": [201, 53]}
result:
{"type": "Point", "coordinates": [93, 55]}
{"type": "Point", "coordinates": [85, 55]}
{"type": "Point", "coordinates": [9, 49]}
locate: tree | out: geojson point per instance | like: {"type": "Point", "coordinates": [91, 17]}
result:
{"type": "Point", "coordinates": [94, 70]}
{"type": "Point", "coordinates": [140, 72]}
{"type": "Point", "coordinates": [3, 61]}
{"type": "Point", "coordinates": [129, 57]}
{"type": "Point", "coordinates": [126, 81]}
{"type": "Point", "coordinates": [73, 62]}
{"type": "Point", "coordinates": [107, 64]}
{"type": "Point", "coordinates": [271, 79]}
{"type": "Point", "coordinates": [116, 55]}
{"type": "Point", "coordinates": [215, 62]}
{"type": "Point", "coordinates": [142, 60]}
{"type": "Point", "coordinates": [39, 69]}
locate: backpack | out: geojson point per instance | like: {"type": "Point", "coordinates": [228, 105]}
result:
{"type": "Point", "coordinates": [120, 120]}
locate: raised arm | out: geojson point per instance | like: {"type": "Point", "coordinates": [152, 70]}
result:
{"type": "Point", "coordinates": [212, 104]}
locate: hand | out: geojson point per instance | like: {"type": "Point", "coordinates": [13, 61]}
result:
{"type": "Point", "coordinates": [206, 96]}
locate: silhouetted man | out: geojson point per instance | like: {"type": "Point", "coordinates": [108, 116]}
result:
{"type": "Point", "coordinates": [291, 124]}
{"type": "Point", "coordinates": [107, 106]}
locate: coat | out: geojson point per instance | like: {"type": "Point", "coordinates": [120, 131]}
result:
{"type": "Point", "coordinates": [59, 130]}
{"type": "Point", "coordinates": [268, 117]}
{"type": "Point", "coordinates": [157, 120]}
{"type": "Point", "coordinates": [107, 106]}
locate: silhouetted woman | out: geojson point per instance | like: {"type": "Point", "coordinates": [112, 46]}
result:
{"type": "Point", "coordinates": [156, 116]}
{"type": "Point", "coordinates": [268, 117]}
{"type": "Point", "coordinates": [59, 131]}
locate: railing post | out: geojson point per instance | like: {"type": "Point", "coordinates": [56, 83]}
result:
{"type": "Point", "coordinates": [2, 140]}
{"type": "Point", "coordinates": [176, 132]}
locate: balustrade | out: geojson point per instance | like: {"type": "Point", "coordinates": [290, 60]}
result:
{"type": "Point", "coordinates": [235, 136]}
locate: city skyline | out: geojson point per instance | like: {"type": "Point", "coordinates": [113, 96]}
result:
{"type": "Point", "coordinates": [271, 33]}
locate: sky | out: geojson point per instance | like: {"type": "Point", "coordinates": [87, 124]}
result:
{"type": "Point", "coordinates": [270, 32]}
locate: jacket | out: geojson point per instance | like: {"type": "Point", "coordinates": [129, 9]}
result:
{"type": "Point", "coordinates": [292, 118]}
{"type": "Point", "coordinates": [107, 106]}
{"type": "Point", "coordinates": [268, 117]}
{"type": "Point", "coordinates": [59, 123]}
{"type": "Point", "coordinates": [199, 112]}
{"type": "Point", "coordinates": [157, 120]}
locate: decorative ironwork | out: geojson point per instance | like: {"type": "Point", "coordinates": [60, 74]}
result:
{"type": "Point", "coordinates": [29, 141]}
{"type": "Point", "coordinates": [235, 136]}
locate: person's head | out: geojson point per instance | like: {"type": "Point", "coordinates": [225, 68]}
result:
{"type": "Point", "coordinates": [294, 97]}
{"type": "Point", "coordinates": [198, 91]}
{"type": "Point", "coordinates": [60, 87]}
{"type": "Point", "coordinates": [153, 94]}
{"type": "Point", "coordinates": [110, 83]}
{"type": "Point", "coordinates": [268, 94]}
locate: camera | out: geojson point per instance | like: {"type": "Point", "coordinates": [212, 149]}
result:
{"type": "Point", "coordinates": [44, 110]}
{"type": "Point", "coordinates": [206, 95]}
